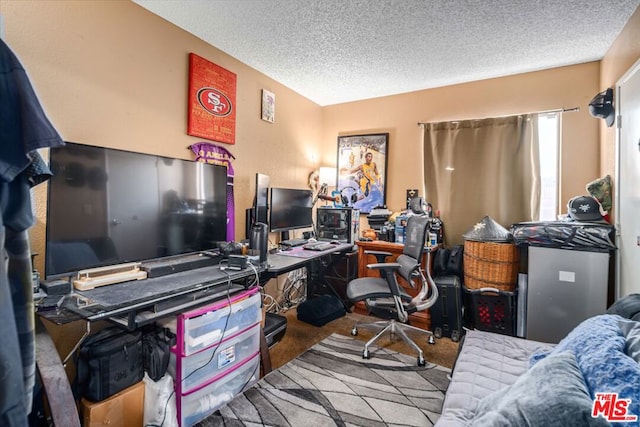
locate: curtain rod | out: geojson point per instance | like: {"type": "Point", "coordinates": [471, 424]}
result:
{"type": "Point", "coordinates": [559, 110]}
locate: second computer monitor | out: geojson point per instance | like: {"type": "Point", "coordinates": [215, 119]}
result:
{"type": "Point", "coordinates": [290, 209]}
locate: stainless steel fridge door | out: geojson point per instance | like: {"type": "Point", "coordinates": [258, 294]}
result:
{"type": "Point", "coordinates": [565, 287]}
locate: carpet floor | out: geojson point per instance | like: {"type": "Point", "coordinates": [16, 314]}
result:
{"type": "Point", "coordinates": [330, 384]}
{"type": "Point", "coordinates": [301, 336]}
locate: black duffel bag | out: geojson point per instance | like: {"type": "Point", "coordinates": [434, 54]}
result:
{"type": "Point", "coordinates": [156, 350]}
{"type": "Point", "coordinates": [108, 362]}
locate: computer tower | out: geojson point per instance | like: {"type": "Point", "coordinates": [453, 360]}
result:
{"type": "Point", "coordinates": [341, 224]}
{"type": "Point", "coordinates": [446, 313]}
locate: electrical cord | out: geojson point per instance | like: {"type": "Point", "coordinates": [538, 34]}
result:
{"type": "Point", "coordinates": [272, 305]}
{"type": "Point", "coordinates": [294, 289]}
{"type": "Point", "coordinates": [257, 276]}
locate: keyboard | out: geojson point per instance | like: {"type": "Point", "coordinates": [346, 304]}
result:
{"type": "Point", "coordinates": [318, 246]}
{"type": "Point", "coordinates": [293, 242]}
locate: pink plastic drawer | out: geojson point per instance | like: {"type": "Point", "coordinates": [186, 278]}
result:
{"type": "Point", "coordinates": [200, 368]}
{"type": "Point", "coordinates": [202, 328]}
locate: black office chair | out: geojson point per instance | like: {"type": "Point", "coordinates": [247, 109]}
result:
{"type": "Point", "coordinates": [385, 295]}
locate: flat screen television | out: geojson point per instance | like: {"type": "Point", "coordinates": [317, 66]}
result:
{"type": "Point", "coordinates": [107, 206]}
{"type": "Point", "coordinates": [290, 209]}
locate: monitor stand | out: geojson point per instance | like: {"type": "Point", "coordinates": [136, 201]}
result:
{"type": "Point", "coordinates": [284, 235]}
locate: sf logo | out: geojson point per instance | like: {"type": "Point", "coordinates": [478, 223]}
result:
{"type": "Point", "coordinates": [214, 101]}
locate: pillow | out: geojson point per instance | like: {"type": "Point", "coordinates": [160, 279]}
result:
{"type": "Point", "coordinates": [631, 332]}
{"type": "Point", "coordinates": [551, 393]}
{"type": "Point", "coordinates": [598, 344]}
{"type": "Point", "coordinates": [628, 306]}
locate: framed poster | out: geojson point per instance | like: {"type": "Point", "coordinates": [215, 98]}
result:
{"type": "Point", "coordinates": [268, 106]}
{"type": "Point", "coordinates": [362, 170]}
{"type": "Point", "coordinates": [212, 101]}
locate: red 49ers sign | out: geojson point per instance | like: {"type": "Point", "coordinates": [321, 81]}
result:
{"type": "Point", "coordinates": [212, 99]}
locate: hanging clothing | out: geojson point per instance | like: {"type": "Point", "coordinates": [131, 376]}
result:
{"type": "Point", "coordinates": [24, 127]}
{"type": "Point", "coordinates": [209, 153]}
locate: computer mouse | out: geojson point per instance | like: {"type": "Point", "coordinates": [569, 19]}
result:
{"type": "Point", "coordinates": [312, 240]}
{"type": "Point", "coordinates": [335, 242]}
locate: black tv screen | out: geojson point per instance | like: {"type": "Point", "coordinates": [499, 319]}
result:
{"type": "Point", "coordinates": [290, 209]}
{"type": "Point", "coordinates": [107, 206]}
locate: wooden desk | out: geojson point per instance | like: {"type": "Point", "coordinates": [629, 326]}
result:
{"type": "Point", "coordinates": [420, 319]}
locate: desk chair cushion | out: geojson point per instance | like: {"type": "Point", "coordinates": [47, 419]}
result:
{"type": "Point", "coordinates": [372, 288]}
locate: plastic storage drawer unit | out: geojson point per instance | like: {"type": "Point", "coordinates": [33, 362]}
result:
{"type": "Point", "coordinates": [212, 363]}
{"type": "Point", "coordinates": [199, 404]}
{"type": "Point", "coordinates": [207, 326]}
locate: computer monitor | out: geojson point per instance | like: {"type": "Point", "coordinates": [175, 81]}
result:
{"type": "Point", "coordinates": [290, 209]}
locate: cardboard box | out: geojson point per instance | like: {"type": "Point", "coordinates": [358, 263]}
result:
{"type": "Point", "coordinates": [124, 409]}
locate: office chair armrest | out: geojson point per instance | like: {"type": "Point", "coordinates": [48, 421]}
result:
{"type": "Point", "coordinates": [385, 266]}
{"type": "Point", "coordinates": [380, 255]}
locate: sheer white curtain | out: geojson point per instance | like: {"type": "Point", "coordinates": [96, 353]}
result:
{"type": "Point", "coordinates": [474, 168]}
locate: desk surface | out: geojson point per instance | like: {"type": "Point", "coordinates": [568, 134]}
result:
{"type": "Point", "coordinates": [298, 257]}
{"type": "Point", "coordinates": [139, 301]}
{"type": "Point", "coordinates": [159, 295]}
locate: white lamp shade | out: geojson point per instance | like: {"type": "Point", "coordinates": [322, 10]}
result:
{"type": "Point", "coordinates": [328, 176]}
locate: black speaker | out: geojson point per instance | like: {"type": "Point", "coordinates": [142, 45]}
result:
{"type": "Point", "coordinates": [178, 263]}
{"type": "Point", "coordinates": [249, 218]}
{"type": "Point", "coordinates": [259, 241]}
{"type": "Point", "coordinates": [56, 287]}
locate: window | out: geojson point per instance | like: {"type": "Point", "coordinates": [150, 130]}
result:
{"type": "Point", "coordinates": [549, 143]}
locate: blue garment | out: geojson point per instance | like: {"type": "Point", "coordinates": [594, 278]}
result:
{"type": "Point", "coordinates": [24, 128]}
{"type": "Point", "coordinates": [12, 410]}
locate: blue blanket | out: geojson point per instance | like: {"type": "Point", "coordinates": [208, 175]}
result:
{"type": "Point", "coordinates": [599, 345]}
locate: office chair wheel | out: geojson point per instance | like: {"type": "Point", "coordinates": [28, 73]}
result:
{"type": "Point", "coordinates": [437, 332]}
{"type": "Point", "coordinates": [354, 332]}
{"type": "Point", "coordinates": [431, 340]}
{"type": "Point", "coordinates": [421, 362]}
{"type": "Point", "coordinates": [365, 354]}
{"type": "Point", "coordinates": [455, 336]}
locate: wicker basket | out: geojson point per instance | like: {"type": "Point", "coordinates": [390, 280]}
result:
{"type": "Point", "coordinates": [490, 264]}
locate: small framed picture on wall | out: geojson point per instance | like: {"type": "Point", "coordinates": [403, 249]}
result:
{"type": "Point", "coordinates": [268, 106]}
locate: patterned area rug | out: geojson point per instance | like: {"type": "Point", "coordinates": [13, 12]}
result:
{"type": "Point", "coordinates": [332, 385]}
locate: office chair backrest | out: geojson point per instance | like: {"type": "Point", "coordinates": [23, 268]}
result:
{"type": "Point", "coordinates": [416, 232]}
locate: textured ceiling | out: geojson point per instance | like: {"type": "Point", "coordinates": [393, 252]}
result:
{"type": "Point", "coordinates": [335, 51]}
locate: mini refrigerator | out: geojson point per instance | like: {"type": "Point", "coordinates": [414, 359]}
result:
{"type": "Point", "coordinates": [564, 287]}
